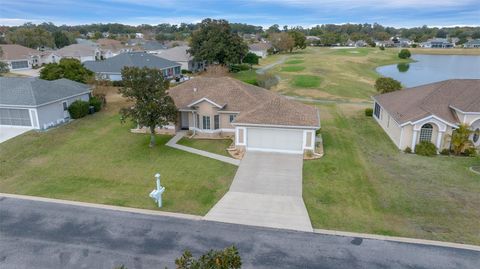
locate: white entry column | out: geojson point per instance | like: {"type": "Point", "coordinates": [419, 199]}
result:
{"type": "Point", "coordinates": [414, 139]}
{"type": "Point", "coordinates": [439, 140]}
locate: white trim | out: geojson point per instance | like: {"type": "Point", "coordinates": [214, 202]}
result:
{"type": "Point", "coordinates": [244, 129]}
{"type": "Point", "coordinates": [211, 131]}
{"type": "Point", "coordinates": [34, 112]}
{"type": "Point", "coordinates": [276, 150]}
{"type": "Point", "coordinates": [439, 139]}
{"type": "Point", "coordinates": [414, 139]}
{"type": "Point", "coordinates": [312, 140]}
{"type": "Point", "coordinates": [276, 126]}
{"type": "Point", "coordinates": [228, 112]}
{"type": "Point", "coordinates": [428, 118]}
{"type": "Point", "coordinates": [464, 112]}
{"type": "Point", "coordinates": [44, 104]}
{"type": "Point", "coordinates": [205, 99]}
{"type": "Point", "coordinates": [401, 138]}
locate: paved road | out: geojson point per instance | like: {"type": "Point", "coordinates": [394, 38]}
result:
{"type": "Point", "coordinates": [267, 192]}
{"type": "Point", "coordinates": [49, 235]}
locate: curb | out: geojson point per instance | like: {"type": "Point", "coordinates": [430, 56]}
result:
{"type": "Point", "coordinates": [398, 239]}
{"type": "Point", "coordinates": [101, 206]}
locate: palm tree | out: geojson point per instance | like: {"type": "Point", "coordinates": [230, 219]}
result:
{"type": "Point", "coordinates": [460, 139]}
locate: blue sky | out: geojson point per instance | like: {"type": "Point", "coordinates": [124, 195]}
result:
{"type": "Point", "coordinates": [306, 13]}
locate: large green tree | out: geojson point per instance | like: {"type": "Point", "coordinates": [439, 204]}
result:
{"type": "Point", "coordinates": [251, 59]}
{"type": "Point", "coordinates": [215, 42]}
{"type": "Point", "coordinates": [147, 90]}
{"type": "Point", "coordinates": [63, 38]}
{"type": "Point", "coordinates": [66, 68]}
{"type": "Point", "coordinates": [282, 42]}
{"type": "Point", "coordinates": [300, 41]}
{"type": "Point", "coordinates": [32, 37]}
{"type": "Point", "coordinates": [384, 85]}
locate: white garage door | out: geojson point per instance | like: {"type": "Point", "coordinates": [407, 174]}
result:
{"type": "Point", "coordinates": [273, 139]}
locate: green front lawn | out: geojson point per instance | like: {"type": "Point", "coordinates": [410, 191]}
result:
{"type": "Point", "coordinates": [293, 68]}
{"type": "Point", "coordinates": [249, 76]}
{"type": "Point", "coordinates": [98, 160]}
{"type": "Point", "coordinates": [306, 81]}
{"type": "Point", "coordinates": [364, 184]}
{"type": "Point", "coordinates": [217, 146]}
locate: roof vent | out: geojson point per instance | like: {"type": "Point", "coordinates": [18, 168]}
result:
{"type": "Point", "coordinates": [194, 89]}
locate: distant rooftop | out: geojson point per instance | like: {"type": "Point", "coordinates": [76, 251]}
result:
{"type": "Point", "coordinates": [130, 59]}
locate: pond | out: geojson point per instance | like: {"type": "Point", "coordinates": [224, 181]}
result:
{"type": "Point", "coordinates": [433, 68]}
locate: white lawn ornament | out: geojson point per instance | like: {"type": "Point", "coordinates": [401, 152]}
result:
{"type": "Point", "coordinates": [157, 194]}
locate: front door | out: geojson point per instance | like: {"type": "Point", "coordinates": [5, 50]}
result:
{"type": "Point", "coordinates": [184, 120]}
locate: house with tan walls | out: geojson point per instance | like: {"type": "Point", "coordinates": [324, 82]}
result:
{"type": "Point", "coordinates": [258, 119]}
{"type": "Point", "coordinates": [429, 112]}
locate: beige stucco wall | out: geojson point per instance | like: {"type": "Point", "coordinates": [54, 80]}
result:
{"type": "Point", "coordinates": [205, 108]}
{"type": "Point", "coordinates": [389, 125]}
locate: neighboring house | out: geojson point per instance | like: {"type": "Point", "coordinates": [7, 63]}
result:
{"type": "Point", "coordinates": [360, 44]}
{"type": "Point", "coordinates": [135, 42]}
{"type": "Point", "coordinates": [401, 42]}
{"type": "Point", "coordinates": [385, 44]}
{"type": "Point", "coordinates": [139, 35]}
{"type": "Point", "coordinates": [38, 103]}
{"type": "Point", "coordinates": [80, 52]}
{"type": "Point", "coordinates": [429, 112]}
{"type": "Point", "coordinates": [180, 55]}
{"type": "Point", "coordinates": [111, 47]}
{"type": "Point", "coordinates": [441, 43]}
{"type": "Point", "coordinates": [111, 68]}
{"type": "Point", "coordinates": [259, 119]}
{"type": "Point", "coordinates": [312, 40]}
{"type": "Point", "coordinates": [83, 41]}
{"type": "Point", "coordinates": [260, 49]}
{"type": "Point", "coordinates": [49, 56]}
{"type": "Point", "coordinates": [19, 57]}
{"type": "Point", "coordinates": [153, 47]}
{"type": "Point", "coordinates": [472, 44]}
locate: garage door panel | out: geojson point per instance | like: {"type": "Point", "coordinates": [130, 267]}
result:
{"type": "Point", "coordinates": [275, 139]}
{"type": "Point", "coordinates": [15, 117]}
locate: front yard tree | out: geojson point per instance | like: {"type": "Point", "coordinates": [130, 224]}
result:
{"type": "Point", "coordinates": [66, 68]}
{"type": "Point", "coordinates": [3, 66]}
{"type": "Point", "coordinates": [251, 59]}
{"type": "Point", "coordinates": [215, 42]}
{"type": "Point", "coordinates": [384, 85]}
{"type": "Point", "coordinates": [147, 90]}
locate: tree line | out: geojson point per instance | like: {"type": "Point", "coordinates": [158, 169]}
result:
{"type": "Point", "coordinates": [51, 35]}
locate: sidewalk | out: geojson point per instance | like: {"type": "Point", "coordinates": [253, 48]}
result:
{"type": "Point", "coordinates": [173, 143]}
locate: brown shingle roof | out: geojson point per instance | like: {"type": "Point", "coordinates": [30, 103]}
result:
{"type": "Point", "coordinates": [260, 46]}
{"type": "Point", "coordinates": [17, 52]}
{"type": "Point", "coordinates": [256, 105]}
{"type": "Point", "coordinates": [433, 99]}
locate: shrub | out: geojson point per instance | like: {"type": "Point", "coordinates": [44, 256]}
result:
{"type": "Point", "coordinates": [445, 152]}
{"type": "Point", "coordinates": [471, 152]}
{"type": "Point", "coordinates": [408, 150]}
{"type": "Point", "coordinates": [404, 54]}
{"type": "Point", "coordinates": [384, 85]}
{"type": "Point", "coordinates": [266, 80]}
{"type": "Point", "coordinates": [228, 258]}
{"type": "Point", "coordinates": [96, 103]}
{"type": "Point", "coordinates": [414, 45]}
{"type": "Point", "coordinates": [234, 68]}
{"type": "Point", "coordinates": [78, 109]}
{"type": "Point", "coordinates": [368, 112]}
{"type": "Point", "coordinates": [185, 71]}
{"type": "Point", "coordinates": [426, 148]}
{"type": "Point", "coordinates": [117, 83]}
{"type": "Point", "coordinates": [381, 48]}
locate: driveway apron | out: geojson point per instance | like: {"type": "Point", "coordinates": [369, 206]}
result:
{"type": "Point", "coordinates": [266, 191]}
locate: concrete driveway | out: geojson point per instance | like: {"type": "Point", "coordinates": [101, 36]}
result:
{"type": "Point", "coordinates": [10, 132]}
{"type": "Point", "coordinates": [266, 191]}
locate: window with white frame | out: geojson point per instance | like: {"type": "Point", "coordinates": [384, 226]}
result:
{"type": "Point", "coordinates": [232, 118]}
{"type": "Point", "coordinates": [426, 132]}
{"type": "Point", "coordinates": [216, 122]}
{"type": "Point", "coordinates": [377, 110]}
{"type": "Point", "coordinates": [476, 135]}
{"type": "Point", "coordinates": [206, 123]}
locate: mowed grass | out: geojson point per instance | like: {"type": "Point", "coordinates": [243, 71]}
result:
{"type": "Point", "coordinates": [293, 68]}
{"type": "Point", "coordinates": [217, 146]}
{"type": "Point", "coordinates": [306, 81]}
{"type": "Point", "coordinates": [97, 159]}
{"type": "Point", "coordinates": [364, 184]}
{"type": "Point", "coordinates": [347, 74]}
{"type": "Point", "coordinates": [249, 76]}
{"type": "Point", "coordinates": [298, 61]}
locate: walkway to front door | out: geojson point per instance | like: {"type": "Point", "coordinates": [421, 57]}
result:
{"type": "Point", "coordinates": [266, 191]}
